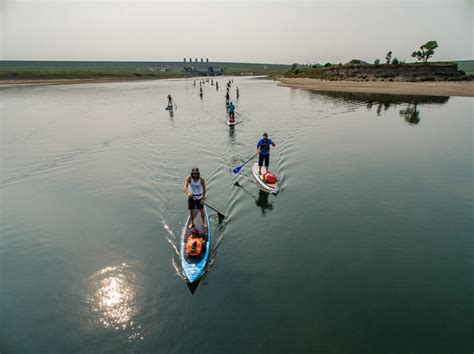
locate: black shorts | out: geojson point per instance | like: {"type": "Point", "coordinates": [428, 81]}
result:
{"type": "Point", "coordinates": [194, 204]}
{"type": "Point", "coordinates": [262, 158]}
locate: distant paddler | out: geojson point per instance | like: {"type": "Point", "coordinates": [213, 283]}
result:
{"type": "Point", "coordinates": [200, 92]}
{"type": "Point", "coordinates": [217, 86]}
{"type": "Point", "coordinates": [237, 91]}
{"type": "Point", "coordinates": [194, 83]}
{"type": "Point", "coordinates": [263, 149]}
{"type": "Point", "coordinates": [227, 98]}
{"type": "Point", "coordinates": [195, 188]}
{"type": "Point", "coordinates": [231, 110]}
{"type": "Point", "coordinates": [170, 103]}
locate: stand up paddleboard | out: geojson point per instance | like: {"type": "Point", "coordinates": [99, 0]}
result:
{"type": "Point", "coordinates": [193, 267]}
{"type": "Point", "coordinates": [268, 187]}
{"type": "Point", "coordinates": [231, 123]}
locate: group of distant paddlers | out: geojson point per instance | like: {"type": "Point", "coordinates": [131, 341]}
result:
{"type": "Point", "coordinates": [196, 236]}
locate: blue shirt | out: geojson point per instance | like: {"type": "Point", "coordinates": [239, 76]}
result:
{"type": "Point", "coordinates": [264, 147]}
{"type": "Point", "coordinates": [231, 108]}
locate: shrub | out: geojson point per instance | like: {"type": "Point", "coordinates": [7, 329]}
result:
{"type": "Point", "coordinates": [395, 61]}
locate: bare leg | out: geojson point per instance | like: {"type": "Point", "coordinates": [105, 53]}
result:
{"type": "Point", "coordinates": [191, 218]}
{"type": "Point", "coordinates": [203, 218]}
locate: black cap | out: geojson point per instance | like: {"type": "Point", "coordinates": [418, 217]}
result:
{"type": "Point", "coordinates": [265, 135]}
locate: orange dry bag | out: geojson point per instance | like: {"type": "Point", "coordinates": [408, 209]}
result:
{"type": "Point", "coordinates": [269, 178]}
{"type": "Point", "coordinates": [197, 243]}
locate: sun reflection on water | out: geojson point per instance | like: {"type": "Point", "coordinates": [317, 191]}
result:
{"type": "Point", "coordinates": [113, 300]}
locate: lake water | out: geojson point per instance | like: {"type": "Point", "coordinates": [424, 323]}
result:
{"type": "Point", "coordinates": [368, 248]}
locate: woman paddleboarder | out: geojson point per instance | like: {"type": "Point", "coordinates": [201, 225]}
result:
{"type": "Point", "coordinates": [195, 188]}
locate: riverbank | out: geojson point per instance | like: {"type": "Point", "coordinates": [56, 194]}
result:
{"type": "Point", "coordinates": [440, 88]}
{"type": "Point", "coordinates": [39, 82]}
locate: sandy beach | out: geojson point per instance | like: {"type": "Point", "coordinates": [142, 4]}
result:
{"type": "Point", "coordinates": [453, 88]}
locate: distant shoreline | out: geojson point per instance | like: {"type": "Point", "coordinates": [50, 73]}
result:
{"type": "Point", "coordinates": [439, 88]}
{"type": "Point", "coordinates": [41, 82]}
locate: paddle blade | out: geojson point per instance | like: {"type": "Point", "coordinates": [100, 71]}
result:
{"type": "Point", "coordinates": [237, 169]}
{"type": "Point", "coordinates": [221, 217]}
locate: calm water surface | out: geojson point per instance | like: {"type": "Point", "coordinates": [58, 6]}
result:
{"type": "Point", "coordinates": [367, 249]}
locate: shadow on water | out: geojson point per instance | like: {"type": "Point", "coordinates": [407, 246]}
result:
{"type": "Point", "coordinates": [261, 201]}
{"type": "Point", "coordinates": [193, 286]}
{"type": "Point", "coordinates": [410, 113]}
{"type": "Point", "coordinates": [231, 134]}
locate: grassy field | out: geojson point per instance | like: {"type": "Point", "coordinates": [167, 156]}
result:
{"type": "Point", "coordinates": [36, 70]}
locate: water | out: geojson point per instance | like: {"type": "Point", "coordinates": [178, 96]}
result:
{"type": "Point", "coordinates": [367, 248]}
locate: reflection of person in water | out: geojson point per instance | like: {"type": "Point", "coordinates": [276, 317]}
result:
{"type": "Point", "coordinates": [263, 203]}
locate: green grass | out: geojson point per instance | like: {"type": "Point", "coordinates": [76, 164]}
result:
{"type": "Point", "coordinates": [84, 73]}
{"type": "Point", "coordinates": [31, 70]}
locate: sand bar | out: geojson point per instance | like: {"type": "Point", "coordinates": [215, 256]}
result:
{"type": "Point", "coordinates": [439, 88]}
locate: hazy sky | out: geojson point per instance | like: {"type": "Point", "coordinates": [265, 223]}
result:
{"type": "Point", "coordinates": [258, 31]}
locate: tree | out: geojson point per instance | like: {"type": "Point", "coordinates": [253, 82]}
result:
{"type": "Point", "coordinates": [377, 62]}
{"type": "Point", "coordinates": [294, 66]}
{"type": "Point", "coordinates": [388, 57]}
{"type": "Point", "coordinates": [327, 65]}
{"type": "Point", "coordinates": [426, 51]}
{"type": "Point", "coordinates": [395, 61]}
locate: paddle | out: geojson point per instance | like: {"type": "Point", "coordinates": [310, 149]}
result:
{"type": "Point", "coordinates": [237, 169]}
{"type": "Point", "coordinates": [219, 214]}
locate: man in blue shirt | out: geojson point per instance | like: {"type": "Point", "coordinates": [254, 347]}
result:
{"type": "Point", "coordinates": [263, 148]}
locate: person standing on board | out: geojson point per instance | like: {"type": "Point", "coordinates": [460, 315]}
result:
{"type": "Point", "coordinates": [231, 110]}
{"type": "Point", "coordinates": [227, 98]}
{"type": "Point", "coordinates": [170, 102]}
{"type": "Point", "coordinates": [263, 148]}
{"type": "Point", "coordinates": [217, 86]}
{"type": "Point", "coordinates": [195, 188]}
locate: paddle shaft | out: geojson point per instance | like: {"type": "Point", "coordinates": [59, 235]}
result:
{"type": "Point", "coordinates": [217, 211]}
{"type": "Point", "coordinates": [240, 167]}
{"type": "Point", "coordinates": [246, 162]}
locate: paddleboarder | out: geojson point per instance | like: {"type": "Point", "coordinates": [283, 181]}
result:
{"type": "Point", "coordinates": [170, 102]}
{"type": "Point", "coordinates": [227, 98]}
{"type": "Point", "coordinates": [231, 110]}
{"type": "Point", "coordinates": [263, 149]}
{"type": "Point", "coordinates": [195, 188]}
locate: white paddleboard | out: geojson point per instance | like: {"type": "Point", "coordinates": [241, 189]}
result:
{"type": "Point", "coordinates": [269, 187]}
